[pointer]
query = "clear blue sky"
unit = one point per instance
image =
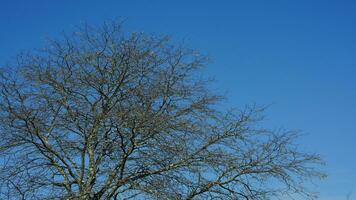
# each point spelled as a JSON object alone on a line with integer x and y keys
{"x": 298, "y": 55}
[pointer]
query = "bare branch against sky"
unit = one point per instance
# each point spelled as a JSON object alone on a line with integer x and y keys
{"x": 106, "y": 114}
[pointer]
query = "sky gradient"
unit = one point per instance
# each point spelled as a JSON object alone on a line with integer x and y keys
{"x": 297, "y": 56}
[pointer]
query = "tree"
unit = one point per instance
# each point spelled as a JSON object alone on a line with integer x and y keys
{"x": 104, "y": 114}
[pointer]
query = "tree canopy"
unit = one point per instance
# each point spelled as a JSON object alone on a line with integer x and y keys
{"x": 107, "y": 114}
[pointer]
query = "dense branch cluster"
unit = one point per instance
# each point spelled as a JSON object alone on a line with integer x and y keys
{"x": 106, "y": 115}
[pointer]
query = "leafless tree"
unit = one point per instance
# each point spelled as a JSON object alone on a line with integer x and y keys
{"x": 105, "y": 114}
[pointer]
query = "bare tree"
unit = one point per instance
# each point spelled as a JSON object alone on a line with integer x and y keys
{"x": 104, "y": 114}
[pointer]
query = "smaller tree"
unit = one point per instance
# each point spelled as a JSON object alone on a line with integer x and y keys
{"x": 107, "y": 115}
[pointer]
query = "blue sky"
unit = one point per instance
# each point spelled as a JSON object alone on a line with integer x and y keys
{"x": 299, "y": 56}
